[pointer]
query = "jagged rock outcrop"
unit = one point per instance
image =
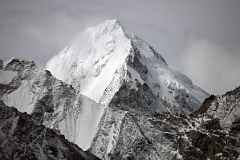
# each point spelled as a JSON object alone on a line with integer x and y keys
{"x": 212, "y": 132}
{"x": 23, "y": 138}
{"x": 224, "y": 108}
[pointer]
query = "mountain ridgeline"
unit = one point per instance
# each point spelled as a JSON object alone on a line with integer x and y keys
{"x": 112, "y": 94}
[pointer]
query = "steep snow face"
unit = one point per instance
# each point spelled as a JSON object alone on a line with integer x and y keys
{"x": 52, "y": 102}
{"x": 91, "y": 60}
{"x": 80, "y": 124}
{"x": 21, "y": 98}
{"x": 104, "y": 58}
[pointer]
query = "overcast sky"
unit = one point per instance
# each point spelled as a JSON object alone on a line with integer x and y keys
{"x": 200, "y": 38}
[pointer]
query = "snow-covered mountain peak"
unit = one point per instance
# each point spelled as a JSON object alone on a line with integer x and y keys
{"x": 104, "y": 58}
{"x": 92, "y": 58}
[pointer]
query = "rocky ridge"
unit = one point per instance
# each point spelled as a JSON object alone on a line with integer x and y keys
{"x": 22, "y": 137}
{"x": 209, "y": 133}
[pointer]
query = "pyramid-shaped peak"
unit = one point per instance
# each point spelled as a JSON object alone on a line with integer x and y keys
{"x": 104, "y": 56}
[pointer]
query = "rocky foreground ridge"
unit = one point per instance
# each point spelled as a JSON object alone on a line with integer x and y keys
{"x": 23, "y": 138}
{"x": 211, "y": 132}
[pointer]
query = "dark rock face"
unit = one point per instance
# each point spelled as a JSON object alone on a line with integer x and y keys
{"x": 205, "y": 106}
{"x": 158, "y": 55}
{"x": 141, "y": 100}
{"x": 134, "y": 62}
{"x": 22, "y": 138}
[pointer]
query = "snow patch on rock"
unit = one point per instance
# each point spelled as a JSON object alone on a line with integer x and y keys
{"x": 7, "y": 76}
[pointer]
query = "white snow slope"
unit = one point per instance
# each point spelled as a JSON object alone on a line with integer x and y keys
{"x": 33, "y": 90}
{"x": 97, "y": 63}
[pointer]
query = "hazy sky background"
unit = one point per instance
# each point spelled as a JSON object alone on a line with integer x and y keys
{"x": 200, "y": 38}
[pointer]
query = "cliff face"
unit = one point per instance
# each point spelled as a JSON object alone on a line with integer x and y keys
{"x": 22, "y": 137}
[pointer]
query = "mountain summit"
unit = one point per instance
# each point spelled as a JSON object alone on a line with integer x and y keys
{"x": 104, "y": 58}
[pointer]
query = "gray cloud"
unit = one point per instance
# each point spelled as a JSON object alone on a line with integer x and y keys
{"x": 213, "y": 67}
{"x": 37, "y": 30}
